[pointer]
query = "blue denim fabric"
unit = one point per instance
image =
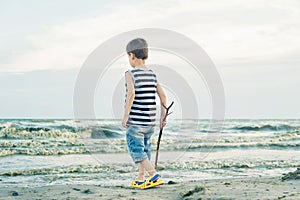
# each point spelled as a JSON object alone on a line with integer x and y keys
{"x": 138, "y": 142}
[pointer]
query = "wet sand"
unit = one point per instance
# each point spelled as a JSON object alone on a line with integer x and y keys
{"x": 247, "y": 188}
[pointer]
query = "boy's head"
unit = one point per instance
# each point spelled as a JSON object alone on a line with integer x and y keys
{"x": 137, "y": 49}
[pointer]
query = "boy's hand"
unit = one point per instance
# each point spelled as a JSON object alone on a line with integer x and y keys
{"x": 163, "y": 123}
{"x": 124, "y": 121}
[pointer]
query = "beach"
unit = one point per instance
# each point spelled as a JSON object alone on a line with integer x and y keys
{"x": 248, "y": 188}
{"x": 67, "y": 159}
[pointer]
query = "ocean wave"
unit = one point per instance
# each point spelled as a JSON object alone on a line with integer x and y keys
{"x": 59, "y": 146}
{"x": 15, "y": 133}
{"x": 284, "y": 140}
{"x": 42, "y": 151}
{"x": 186, "y": 165}
{"x": 63, "y": 170}
{"x": 31, "y": 129}
{"x": 119, "y": 146}
{"x": 104, "y": 132}
{"x": 40, "y": 143}
{"x": 45, "y": 127}
{"x": 225, "y": 164}
{"x": 33, "y": 133}
{"x": 224, "y": 146}
{"x": 266, "y": 127}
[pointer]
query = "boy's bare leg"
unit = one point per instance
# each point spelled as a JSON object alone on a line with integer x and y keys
{"x": 148, "y": 167}
{"x": 141, "y": 176}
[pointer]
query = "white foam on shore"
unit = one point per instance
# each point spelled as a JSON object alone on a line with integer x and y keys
{"x": 23, "y": 134}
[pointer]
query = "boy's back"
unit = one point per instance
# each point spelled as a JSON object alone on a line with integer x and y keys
{"x": 143, "y": 109}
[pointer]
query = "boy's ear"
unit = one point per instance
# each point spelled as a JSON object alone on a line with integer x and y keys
{"x": 131, "y": 56}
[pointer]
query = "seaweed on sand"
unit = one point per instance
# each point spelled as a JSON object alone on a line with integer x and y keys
{"x": 291, "y": 175}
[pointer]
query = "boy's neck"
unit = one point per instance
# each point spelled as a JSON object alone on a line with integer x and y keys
{"x": 140, "y": 66}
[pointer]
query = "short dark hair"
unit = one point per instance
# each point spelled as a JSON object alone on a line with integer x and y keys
{"x": 138, "y": 47}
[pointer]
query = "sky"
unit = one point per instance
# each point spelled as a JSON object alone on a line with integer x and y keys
{"x": 254, "y": 45}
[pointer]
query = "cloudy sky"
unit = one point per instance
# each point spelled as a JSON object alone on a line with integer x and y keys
{"x": 255, "y": 46}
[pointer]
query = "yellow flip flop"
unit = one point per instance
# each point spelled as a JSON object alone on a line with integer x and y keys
{"x": 152, "y": 182}
{"x": 136, "y": 184}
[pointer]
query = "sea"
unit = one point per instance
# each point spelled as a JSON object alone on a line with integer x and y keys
{"x": 38, "y": 152}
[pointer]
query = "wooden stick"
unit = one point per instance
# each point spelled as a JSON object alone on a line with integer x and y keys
{"x": 160, "y": 132}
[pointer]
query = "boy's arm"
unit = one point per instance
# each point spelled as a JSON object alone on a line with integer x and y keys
{"x": 163, "y": 102}
{"x": 129, "y": 98}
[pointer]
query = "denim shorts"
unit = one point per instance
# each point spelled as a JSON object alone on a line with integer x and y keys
{"x": 138, "y": 142}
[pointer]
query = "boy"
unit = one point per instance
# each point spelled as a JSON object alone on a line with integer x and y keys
{"x": 140, "y": 110}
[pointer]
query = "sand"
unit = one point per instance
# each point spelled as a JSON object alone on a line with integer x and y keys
{"x": 247, "y": 188}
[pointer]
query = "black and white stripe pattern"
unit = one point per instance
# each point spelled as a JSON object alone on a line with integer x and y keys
{"x": 143, "y": 109}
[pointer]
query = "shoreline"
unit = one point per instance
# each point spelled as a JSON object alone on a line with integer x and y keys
{"x": 239, "y": 188}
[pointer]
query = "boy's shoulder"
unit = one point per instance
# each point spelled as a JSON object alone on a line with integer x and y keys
{"x": 139, "y": 73}
{"x": 149, "y": 73}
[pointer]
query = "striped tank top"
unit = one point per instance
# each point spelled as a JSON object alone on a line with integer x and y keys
{"x": 143, "y": 109}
